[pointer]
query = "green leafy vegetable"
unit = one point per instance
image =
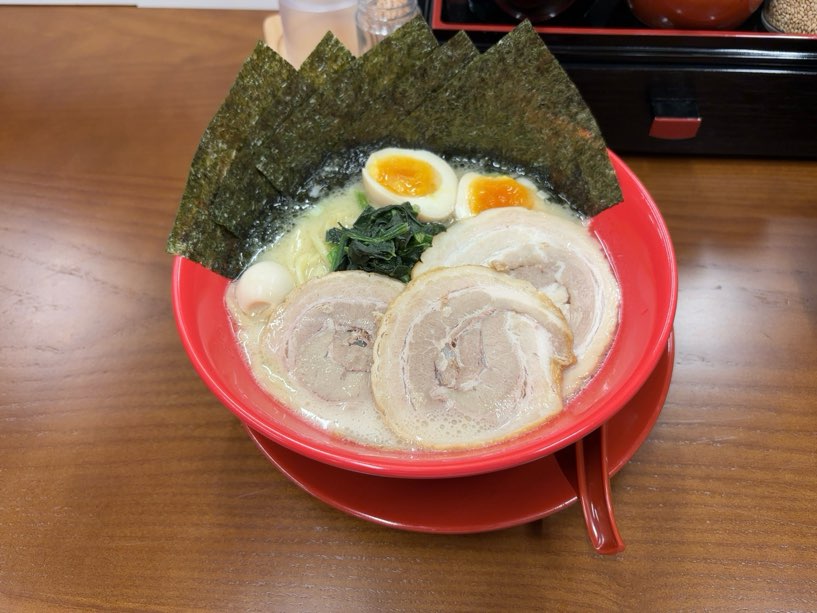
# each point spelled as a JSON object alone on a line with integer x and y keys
{"x": 388, "y": 241}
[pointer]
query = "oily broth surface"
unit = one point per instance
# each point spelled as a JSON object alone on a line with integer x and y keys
{"x": 304, "y": 252}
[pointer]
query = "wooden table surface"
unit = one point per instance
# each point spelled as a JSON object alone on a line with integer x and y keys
{"x": 126, "y": 486}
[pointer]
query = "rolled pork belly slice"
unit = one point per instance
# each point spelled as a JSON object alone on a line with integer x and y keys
{"x": 317, "y": 352}
{"x": 558, "y": 256}
{"x": 468, "y": 356}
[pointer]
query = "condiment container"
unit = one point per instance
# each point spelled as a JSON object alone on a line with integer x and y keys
{"x": 790, "y": 16}
{"x": 376, "y": 19}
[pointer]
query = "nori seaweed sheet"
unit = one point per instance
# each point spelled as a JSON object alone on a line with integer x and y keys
{"x": 321, "y": 124}
{"x": 282, "y": 138}
{"x": 337, "y": 170}
{"x": 195, "y": 234}
{"x": 363, "y": 134}
{"x": 372, "y": 128}
{"x": 443, "y": 66}
{"x": 244, "y": 189}
{"x": 408, "y": 90}
{"x": 516, "y": 103}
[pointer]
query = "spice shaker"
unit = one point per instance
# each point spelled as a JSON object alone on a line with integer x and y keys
{"x": 376, "y": 19}
{"x": 790, "y": 16}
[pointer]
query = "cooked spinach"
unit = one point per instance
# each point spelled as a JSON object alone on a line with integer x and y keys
{"x": 387, "y": 240}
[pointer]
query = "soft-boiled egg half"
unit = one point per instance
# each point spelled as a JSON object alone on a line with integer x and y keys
{"x": 395, "y": 176}
{"x": 262, "y": 285}
{"x": 478, "y": 192}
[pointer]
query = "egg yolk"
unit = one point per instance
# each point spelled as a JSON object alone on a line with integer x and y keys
{"x": 494, "y": 192}
{"x": 406, "y": 176}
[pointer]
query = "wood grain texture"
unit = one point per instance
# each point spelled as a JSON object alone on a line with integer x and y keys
{"x": 126, "y": 486}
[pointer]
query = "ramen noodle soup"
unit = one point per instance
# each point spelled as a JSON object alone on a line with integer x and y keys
{"x": 507, "y": 312}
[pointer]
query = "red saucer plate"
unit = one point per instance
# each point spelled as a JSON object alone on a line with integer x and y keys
{"x": 477, "y": 503}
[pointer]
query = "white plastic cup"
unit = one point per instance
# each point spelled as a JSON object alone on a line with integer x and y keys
{"x": 305, "y": 22}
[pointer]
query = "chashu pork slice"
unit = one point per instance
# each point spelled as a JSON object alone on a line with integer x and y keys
{"x": 467, "y": 356}
{"x": 558, "y": 255}
{"x": 317, "y": 351}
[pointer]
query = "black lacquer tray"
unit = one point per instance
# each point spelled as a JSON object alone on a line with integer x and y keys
{"x": 739, "y": 92}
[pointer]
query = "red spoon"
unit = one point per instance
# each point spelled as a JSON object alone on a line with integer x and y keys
{"x": 585, "y": 465}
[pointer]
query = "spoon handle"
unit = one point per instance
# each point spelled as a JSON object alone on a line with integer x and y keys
{"x": 585, "y": 465}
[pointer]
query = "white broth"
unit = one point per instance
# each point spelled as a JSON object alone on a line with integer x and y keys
{"x": 304, "y": 252}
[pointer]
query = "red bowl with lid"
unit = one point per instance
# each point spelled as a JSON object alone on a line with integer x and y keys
{"x": 694, "y": 14}
{"x": 638, "y": 245}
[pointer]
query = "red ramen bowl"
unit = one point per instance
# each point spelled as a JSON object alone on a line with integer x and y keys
{"x": 638, "y": 245}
